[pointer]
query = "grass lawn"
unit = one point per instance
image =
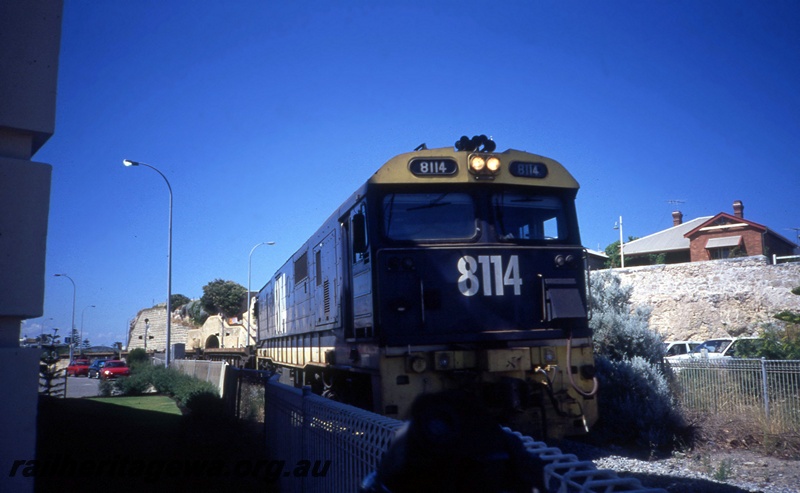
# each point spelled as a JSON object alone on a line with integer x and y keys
{"x": 159, "y": 403}
{"x": 141, "y": 444}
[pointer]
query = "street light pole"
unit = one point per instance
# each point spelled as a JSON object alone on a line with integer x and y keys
{"x": 82, "y": 313}
{"x": 621, "y": 244}
{"x": 72, "y": 330}
{"x": 128, "y": 162}
{"x": 250, "y": 298}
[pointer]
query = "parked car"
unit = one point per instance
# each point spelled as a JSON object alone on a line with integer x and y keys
{"x": 115, "y": 368}
{"x": 96, "y": 367}
{"x": 743, "y": 347}
{"x": 722, "y": 348}
{"x": 78, "y": 368}
{"x": 674, "y": 348}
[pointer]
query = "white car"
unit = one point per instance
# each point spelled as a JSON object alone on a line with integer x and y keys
{"x": 723, "y": 347}
{"x": 675, "y": 348}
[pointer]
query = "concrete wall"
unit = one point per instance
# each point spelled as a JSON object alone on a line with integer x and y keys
{"x": 228, "y": 335}
{"x": 701, "y": 300}
{"x": 30, "y": 39}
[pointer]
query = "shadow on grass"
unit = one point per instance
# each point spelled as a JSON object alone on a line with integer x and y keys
{"x": 85, "y": 445}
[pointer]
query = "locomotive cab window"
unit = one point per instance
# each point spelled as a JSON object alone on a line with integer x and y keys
{"x": 519, "y": 216}
{"x": 360, "y": 245}
{"x": 429, "y": 216}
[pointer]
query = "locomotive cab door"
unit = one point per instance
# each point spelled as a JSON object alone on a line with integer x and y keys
{"x": 360, "y": 276}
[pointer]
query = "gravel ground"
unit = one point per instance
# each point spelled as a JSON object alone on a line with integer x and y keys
{"x": 712, "y": 470}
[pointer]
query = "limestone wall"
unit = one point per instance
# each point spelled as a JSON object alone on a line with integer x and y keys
{"x": 701, "y": 300}
{"x": 228, "y": 333}
{"x": 157, "y": 317}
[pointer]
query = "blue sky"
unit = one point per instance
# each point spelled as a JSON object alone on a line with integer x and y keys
{"x": 264, "y": 116}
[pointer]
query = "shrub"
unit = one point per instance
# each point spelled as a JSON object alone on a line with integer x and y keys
{"x": 188, "y": 387}
{"x": 137, "y": 356}
{"x": 620, "y": 331}
{"x": 635, "y": 402}
{"x": 106, "y": 388}
{"x": 183, "y": 388}
{"x": 205, "y": 404}
{"x": 637, "y": 405}
{"x": 136, "y": 384}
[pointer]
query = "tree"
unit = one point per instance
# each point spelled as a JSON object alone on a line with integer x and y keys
{"x": 74, "y": 337}
{"x": 779, "y": 340}
{"x": 178, "y": 300}
{"x": 195, "y": 312}
{"x": 224, "y": 297}
{"x": 51, "y": 379}
{"x": 612, "y": 251}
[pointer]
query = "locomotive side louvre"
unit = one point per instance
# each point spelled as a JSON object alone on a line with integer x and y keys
{"x": 435, "y": 276}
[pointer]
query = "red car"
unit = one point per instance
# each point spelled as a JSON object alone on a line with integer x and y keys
{"x": 115, "y": 368}
{"x": 78, "y": 368}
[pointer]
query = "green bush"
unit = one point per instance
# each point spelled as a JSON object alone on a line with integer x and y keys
{"x": 106, "y": 388}
{"x": 620, "y": 331}
{"x": 137, "y": 356}
{"x": 136, "y": 384}
{"x": 636, "y": 405}
{"x": 183, "y": 388}
{"x": 205, "y": 404}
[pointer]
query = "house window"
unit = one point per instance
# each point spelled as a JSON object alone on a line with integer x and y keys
{"x": 719, "y": 253}
{"x": 724, "y": 247}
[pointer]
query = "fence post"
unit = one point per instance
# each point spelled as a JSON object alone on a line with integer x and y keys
{"x": 304, "y": 438}
{"x": 764, "y": 385}
{"x": 239, "y": 393}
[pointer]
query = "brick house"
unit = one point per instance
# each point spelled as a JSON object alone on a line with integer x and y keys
{"x": 726, "y": 235}
{"x": 708, "y": 238}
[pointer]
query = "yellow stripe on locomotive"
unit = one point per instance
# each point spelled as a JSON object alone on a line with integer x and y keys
{"x": 445, "y": 165}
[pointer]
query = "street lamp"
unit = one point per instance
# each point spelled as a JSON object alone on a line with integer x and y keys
{"x": 72, "y": 330}
{"x": 82, "y": 313}
{"x": 250, "y": 298}
{"x": 621, "y": 244}
{"x": 127, "y": 163}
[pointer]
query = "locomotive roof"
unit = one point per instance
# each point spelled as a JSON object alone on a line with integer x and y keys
{"x": 396, "y": 170}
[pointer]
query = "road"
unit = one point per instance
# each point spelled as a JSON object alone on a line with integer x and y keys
{"x": 83, "y": 387}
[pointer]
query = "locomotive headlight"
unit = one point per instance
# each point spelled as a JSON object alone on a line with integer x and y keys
{"x": 443, "y": 360}
{"x": 418, "y": 364}
{"x": 477, "y": 163}
{"x": 484, "y": 166}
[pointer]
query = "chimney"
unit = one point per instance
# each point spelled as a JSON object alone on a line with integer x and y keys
{"x": 677, "y": 218}
{"x": 738, "y": 209}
